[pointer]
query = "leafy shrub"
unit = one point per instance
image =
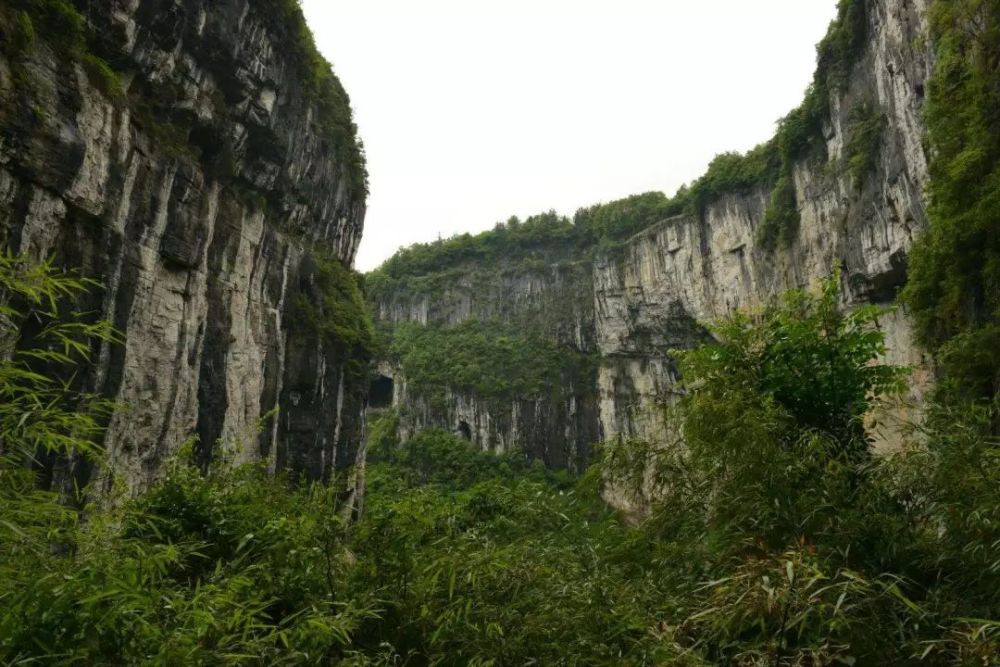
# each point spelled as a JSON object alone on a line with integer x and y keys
{"x": 42, "y": 412}
{"x": 786, "y": 609}
{"x": 58, "y": 19}
{"x": 23, "y": 34}
{"x": 219, "y": 569}
{"x": 776, "y": 539}
{"x": 103, "y": 77}
{"x": 781, "y": 219}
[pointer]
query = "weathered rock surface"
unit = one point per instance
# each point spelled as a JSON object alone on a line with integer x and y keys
{"x": 695, "y": 269}
{"x": 197, "y": 200}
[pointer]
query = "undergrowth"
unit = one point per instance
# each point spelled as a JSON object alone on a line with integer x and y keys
{"x": 774, "y": 538}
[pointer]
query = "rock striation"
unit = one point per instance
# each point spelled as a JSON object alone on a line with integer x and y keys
{"x": 186, "y": 158}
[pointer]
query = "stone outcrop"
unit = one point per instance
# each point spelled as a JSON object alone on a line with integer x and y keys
{"x": 656, "y": 291}
{"x": 198, "y": 196}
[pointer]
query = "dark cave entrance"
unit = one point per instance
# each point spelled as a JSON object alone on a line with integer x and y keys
{"x": 464, "y": 430}
{"x": 380, "y": 392}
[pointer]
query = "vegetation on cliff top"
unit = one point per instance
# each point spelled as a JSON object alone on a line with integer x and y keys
{"x": 330, "y": 304}
{"x": 320, "y": 83}
{"x": 602, "y": 227}
{"x": 63, "y": 25}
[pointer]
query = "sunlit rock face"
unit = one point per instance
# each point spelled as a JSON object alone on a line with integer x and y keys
{"x": 657, "y": 292}
{"x": 197, "y": 199}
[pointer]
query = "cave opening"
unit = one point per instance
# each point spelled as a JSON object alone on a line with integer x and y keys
{"x": 464, "y": 430}
{"x": 380, "y": 392}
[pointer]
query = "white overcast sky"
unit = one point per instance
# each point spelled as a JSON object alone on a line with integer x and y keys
{"x": 472, "y": 111}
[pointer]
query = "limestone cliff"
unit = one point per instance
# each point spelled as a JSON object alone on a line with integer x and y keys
{"x": 198, "y": 160}
{"x": 535, "y": 301}
{"x": 842, "y": 183}
{"x": 698, "y": 268}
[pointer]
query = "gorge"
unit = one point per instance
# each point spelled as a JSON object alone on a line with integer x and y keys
{"x": 625, "y": 282}
{"x": 753, "y": 423}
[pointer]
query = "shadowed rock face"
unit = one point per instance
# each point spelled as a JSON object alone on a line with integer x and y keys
{"x": 654, "y": 294}
{"x": 198, "y": 200}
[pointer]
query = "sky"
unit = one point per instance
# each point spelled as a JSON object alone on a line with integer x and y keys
{"x": 475, "y": 110}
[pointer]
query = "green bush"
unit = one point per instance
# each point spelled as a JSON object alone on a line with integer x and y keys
{"x": 223, "y": 569}
{"x": 103, "y": 77}
{"x": 777, "y": 416}
{"x": 782, "y": 218}
{"x": 58, "y": 22}
{"x": 23, "y": 34}
{"x": 775, "y": 538}
{"x": 866, "y": 124}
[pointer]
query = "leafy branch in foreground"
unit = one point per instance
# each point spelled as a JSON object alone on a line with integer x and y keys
{"x": 41, "y": 410}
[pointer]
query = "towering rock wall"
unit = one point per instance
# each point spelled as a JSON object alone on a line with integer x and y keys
{"x": 186, "y": 155}
{"x": 859, "y": 197}
{"x": 699, "y": 268}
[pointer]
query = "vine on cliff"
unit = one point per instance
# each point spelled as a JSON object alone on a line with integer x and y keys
{"x": 954, "y": 282}
{"x": 330, "y": 304}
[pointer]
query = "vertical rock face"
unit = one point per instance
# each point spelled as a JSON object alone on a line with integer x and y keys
{"x": 860, "y": 204}
{"x": 650, "y": 295}
{"x": 557, "y": 424}
{"x": 198, "y": 197}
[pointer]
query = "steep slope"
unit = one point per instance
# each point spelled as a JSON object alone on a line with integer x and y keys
{"x": 840, "y": 184}
{"x": 199, "y": 160}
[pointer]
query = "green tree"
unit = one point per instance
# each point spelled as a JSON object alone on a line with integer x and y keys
{"x": 775, "y": 413}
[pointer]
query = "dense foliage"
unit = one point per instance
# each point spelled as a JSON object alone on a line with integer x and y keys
{"x": 773, "y": 539}
{"x": 489, "y": 359}
{"x": 954, "y": 286}
{"x": 23, "y": 22}
{"x": 547, "y": 236}
{"x": 331, "y": 305}
{"x": 772, "y": 536}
